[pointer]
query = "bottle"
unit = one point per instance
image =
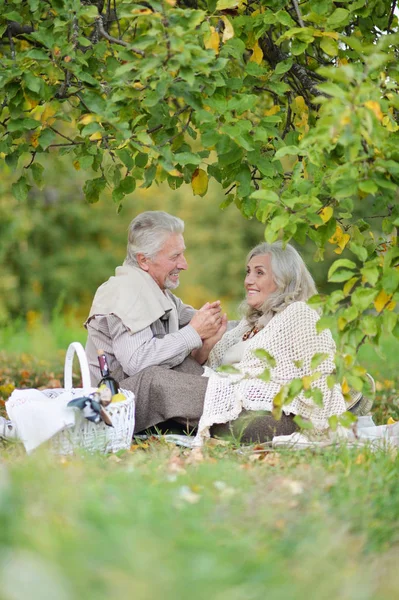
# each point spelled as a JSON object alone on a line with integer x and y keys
{"x": 107, "y": 380}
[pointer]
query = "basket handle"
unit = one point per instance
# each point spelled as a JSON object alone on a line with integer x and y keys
{"x": 84, "y": 366}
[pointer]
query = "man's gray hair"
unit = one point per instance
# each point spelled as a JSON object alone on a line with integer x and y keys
{"x": 148, "y": 233}
{"x": 292, "y": 278}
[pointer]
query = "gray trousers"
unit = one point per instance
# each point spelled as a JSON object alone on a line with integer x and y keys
{"x": 178, "y": 394}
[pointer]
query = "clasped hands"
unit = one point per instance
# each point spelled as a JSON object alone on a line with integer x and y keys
{"x": 210, "y": 323}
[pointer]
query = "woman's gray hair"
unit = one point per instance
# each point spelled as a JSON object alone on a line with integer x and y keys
{"x": 292, "y": 278}
{"x": 148, "y": 233}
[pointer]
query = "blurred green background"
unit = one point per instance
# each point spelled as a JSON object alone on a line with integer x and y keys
{"x": 56, "y": 250}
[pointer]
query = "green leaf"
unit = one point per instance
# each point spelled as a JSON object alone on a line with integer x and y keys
{"x": 368, "y": 186}
{"x": 33, "y": 83}
{"x": 317, "y": 359}
{"x": 347, "y": 419}
{"x": 37, "y": 172}
{"x": 265, "y": 375}
{"x": 359, "y": 251}
{"x": 225, "y": 4}
{"x": 187, "y": 158}
{"x": 370, "y": 274}
{"x": 93, "y": 189}
{"x": 126, "y": 158}
{"x": 303, "y": 423}
{"x": 287, "y": 151}
{"x": 295, "y": 388}
{"x": 333, "y": 422}
{"x": 329, "y": 46}
{"x": 229, "y": 369}
{"x": 338, "y": 18}
{"x": 267, "y": 195}
{"x": 22, "y": 124}
{"x": 264, "y": 355}
{"x": 368, "y": 325}
{"x": 283, "y": 66}
{"x": 339, "y": 276}
{"x": 342, "y": 262}
{"x": 46, "y": 138}
{"x": 128, "y": 185}
{"x": 141, "y": 160}
{"x": 363, "y": 297}
{"x": 20, "y": 189}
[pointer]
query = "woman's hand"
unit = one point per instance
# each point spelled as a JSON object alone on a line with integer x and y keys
{"x": 201, "y": 354}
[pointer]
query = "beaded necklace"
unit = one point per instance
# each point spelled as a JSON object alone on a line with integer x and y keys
{"x": 250, "y": 333}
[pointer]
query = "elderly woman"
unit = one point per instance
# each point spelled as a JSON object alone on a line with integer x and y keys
{"x": 278, "y": 321}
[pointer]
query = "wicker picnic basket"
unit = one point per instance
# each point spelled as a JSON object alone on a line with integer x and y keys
{"x": 93, "y": 437}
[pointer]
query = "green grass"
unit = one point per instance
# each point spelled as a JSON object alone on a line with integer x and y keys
{"x": 163, "y": 523}
{"x": 224, "y": 524}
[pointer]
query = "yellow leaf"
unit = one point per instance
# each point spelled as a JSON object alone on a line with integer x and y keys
{"x": 387, "y": 122}
{"x": 331, "y": 34}
{"x": 326, "y": 213}
{"x": 307, "y": 380}
{"x": 298, "y": 104}
{"x": 382, "y": 300}
{"x": 47, "y": 115}
{"x": 349, "y": 285}
{"x": 211, "y": 41}
{"x": 142, "y": 11}
{"x": 76, "y": 164}
{"x": 95, "y": 136}
{"x": 348, "y": 360}
{"x": 31, "y": 102}
{"x": 89, "y": 118}
{"x": 199, "y": 182}
{"x": 228, "y": 31}
{"x": 375, "y": 108}
{"x": 171, "y": 2}
{"x": 272, "y": 111}
{"x": 360, "y": 459}
{"x": 301, "y": 112}
{"x": 257, "y": 54}
{"x": 345, "y": 386}
{"x": 340, "y": 238}
{"x": 391, "y": 421}
{"x": 175, "y": 173}
{"x": 34, "y": 140}
{"x": 341, "y": 323}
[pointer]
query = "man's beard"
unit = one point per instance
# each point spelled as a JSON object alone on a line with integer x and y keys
{"x": 171, "y": 285}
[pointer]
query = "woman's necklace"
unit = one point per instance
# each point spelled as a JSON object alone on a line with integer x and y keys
{"x": 250, "y": 333}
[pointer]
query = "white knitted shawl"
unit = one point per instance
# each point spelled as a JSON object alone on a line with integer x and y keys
{"x": 291, "y": 338}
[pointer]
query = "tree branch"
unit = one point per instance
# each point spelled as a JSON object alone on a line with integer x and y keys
{"x": 298, "y": 13}
{"x": 391, "y": 16}
{"x": 113, "y": 40}
{"x": 15, "y": 29}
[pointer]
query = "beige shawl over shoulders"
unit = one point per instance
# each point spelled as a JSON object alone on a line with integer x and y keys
{"x": 134, "y": 297}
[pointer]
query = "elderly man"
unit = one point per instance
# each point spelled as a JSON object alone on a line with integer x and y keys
{"x": 139, "y": 323}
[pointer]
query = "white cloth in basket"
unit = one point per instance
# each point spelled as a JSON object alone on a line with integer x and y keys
{"x": 38, "y": 417}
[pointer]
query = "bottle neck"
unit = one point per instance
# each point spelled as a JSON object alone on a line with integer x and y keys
{"x": 104, "y": 368}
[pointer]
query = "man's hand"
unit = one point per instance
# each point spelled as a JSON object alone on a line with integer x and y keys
{"x": 207, "y": 320}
